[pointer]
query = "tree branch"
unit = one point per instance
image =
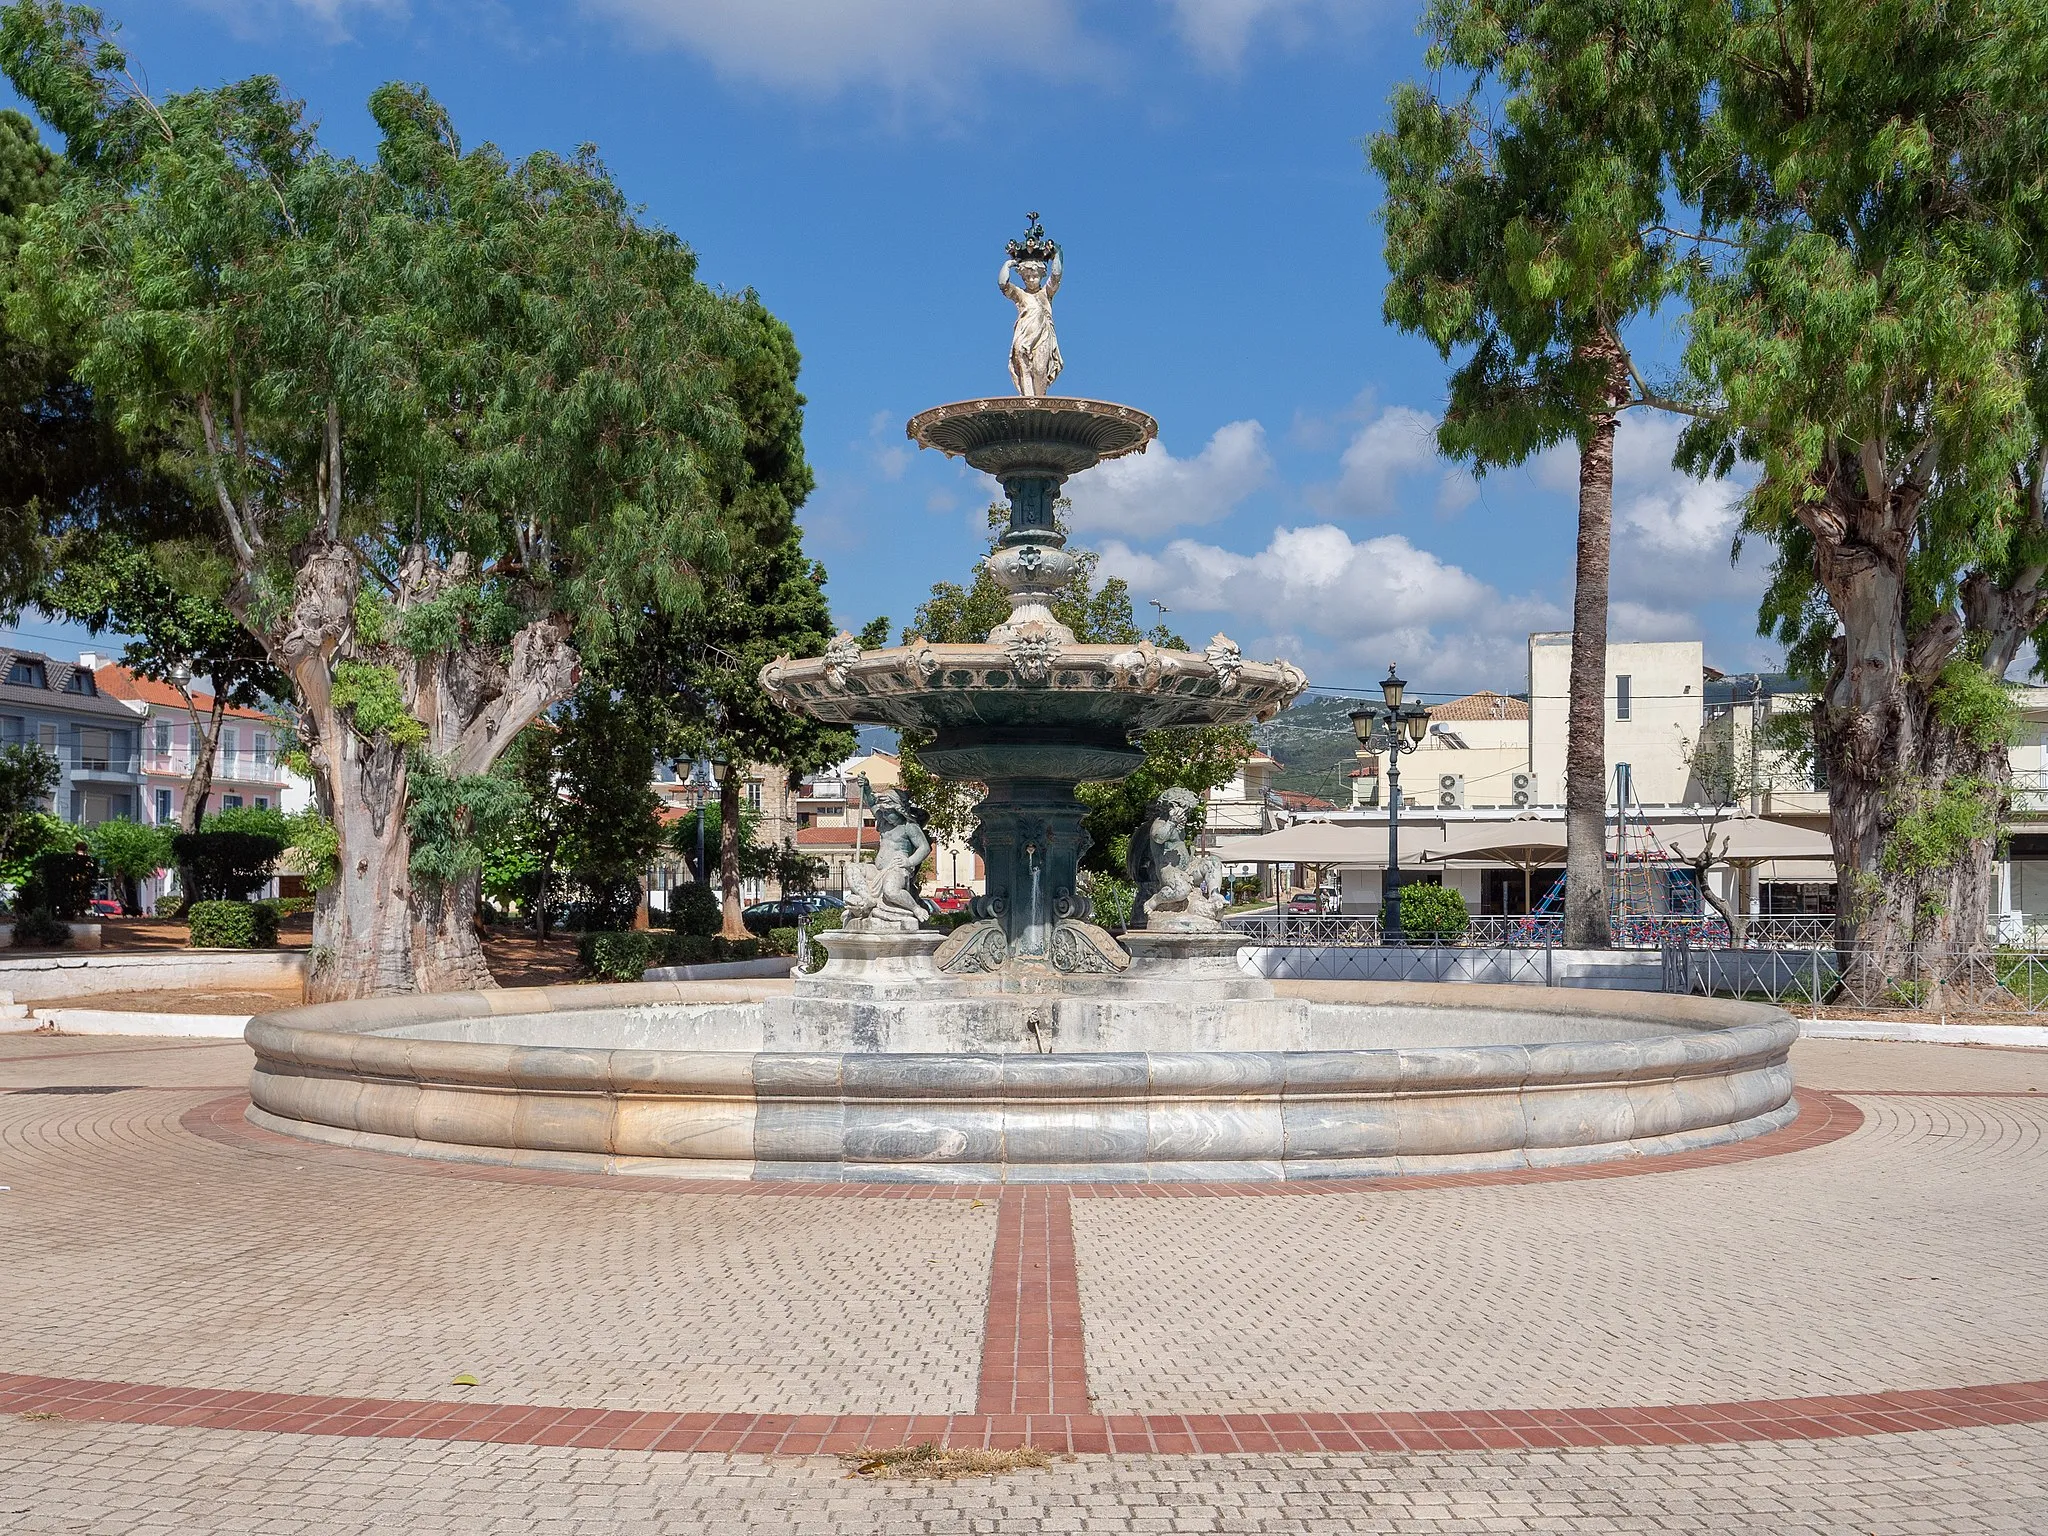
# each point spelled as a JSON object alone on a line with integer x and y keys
{"x": 245, "y": 552}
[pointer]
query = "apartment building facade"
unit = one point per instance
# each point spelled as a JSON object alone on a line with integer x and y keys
{"x": 59, "y": 707}
{"x": 247, "y": 768}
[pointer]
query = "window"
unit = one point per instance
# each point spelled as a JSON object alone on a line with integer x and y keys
{"x": 754, "y": 794}
{"x": 1621, "y": 696}
{"x": 166, "y": 813}
{"x": 93, "y": 750}
{"x": 26, "y": 673}
{"x": 259, "y": 750}
{"x": 230, "y": 748}
{"x": 80, "y": 681}
{"x": 13, "y": 730}
{"x": 163, "y": 738}
{"x": 231, "y": 802}
{"x": 263, "y": 802}
{"x": 46, "y": 736}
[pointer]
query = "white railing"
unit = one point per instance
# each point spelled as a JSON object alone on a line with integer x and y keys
{"x": 240, "y": 768}
{"x": 2029, "y": 791}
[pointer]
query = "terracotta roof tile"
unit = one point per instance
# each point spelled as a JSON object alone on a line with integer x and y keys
{"x": 117, "y": 682}
{"x": 1484, "y": 705}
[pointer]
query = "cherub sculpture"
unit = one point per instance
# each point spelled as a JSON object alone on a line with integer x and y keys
{"x": 882, "y": 896}
{"x": 1176, "y": 891}
{"x": 1034, "y": 350}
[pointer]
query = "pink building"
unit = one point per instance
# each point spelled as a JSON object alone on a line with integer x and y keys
{"x": 246, "y": 771}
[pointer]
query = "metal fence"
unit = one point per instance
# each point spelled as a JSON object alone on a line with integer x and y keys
{"x": 1501, "y": 966}
{"x": 1362, "y": 930}
{"x": 1976, "y": 981}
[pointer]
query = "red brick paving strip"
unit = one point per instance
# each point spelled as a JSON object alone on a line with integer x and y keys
{"x": 1798, "y": 1418}
{"x": 1032, "y": 1359}
{"x": 1823, "y": 1117}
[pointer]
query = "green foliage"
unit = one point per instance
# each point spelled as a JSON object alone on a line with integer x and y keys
{"x": 36, "y": 929}
{"x": 232, "y": 925}
{"x": 451, "y": 820}
{"x": 130, "y": 853}
{"x": 60, "y": 883}
{"x": 1112, "y": 895}
{"x": 28, "y": 778}
{"x": 369, "y": 694}
{"x": 1932, "y": 826}
{"x": 32, "y": 835}
{"x": 1977, "y": 707}
{"x": 225, "y": 866}
{"x": 695, "y": 908}
{"x": 1434, "y": 913}
{"x": 263, "y": 820}
{"x": 781, "y": 941}
{"x": 312, "y": 848}
{"x": 874, "y": 634}
{"x": 468, "y": 613}
{"x": 627, "y": 955}
{"x": 1197, "y": 758}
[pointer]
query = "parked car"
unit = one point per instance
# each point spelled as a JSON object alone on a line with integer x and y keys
{"x": 102, "y": 907}
{"x": 784, "y": 912}
{"x": 1305, "y": 901}
{"x": 950, "y": 898}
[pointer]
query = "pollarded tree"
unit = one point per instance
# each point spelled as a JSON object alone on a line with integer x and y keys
{"x": 1526, "y": 225}
{"x": 1875, "y": 338}
{"x": 458, "y": 418}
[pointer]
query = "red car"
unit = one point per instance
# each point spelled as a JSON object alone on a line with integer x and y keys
{"x": 102, "y": 907}
{"x": 950, "y": 898}
{"x": 1305, "y": 901}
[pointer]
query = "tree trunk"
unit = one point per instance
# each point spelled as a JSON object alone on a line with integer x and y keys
{"x": 734, "y": 926}
{"x": 199, "y": 782}
{"x": 376, "y": 929}
{"x": 1585, "y": 760}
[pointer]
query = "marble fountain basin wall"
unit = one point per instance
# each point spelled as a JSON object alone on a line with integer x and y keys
{"x": 1340, "y": 1079}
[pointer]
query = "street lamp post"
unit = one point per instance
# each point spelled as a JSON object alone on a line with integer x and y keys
{"x": 1396, "y": 729}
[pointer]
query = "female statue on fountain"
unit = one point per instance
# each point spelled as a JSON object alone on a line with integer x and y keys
{"x": 1034, "y": 350}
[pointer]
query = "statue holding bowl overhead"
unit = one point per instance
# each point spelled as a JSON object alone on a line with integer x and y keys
{"x": 1034, "y": 350}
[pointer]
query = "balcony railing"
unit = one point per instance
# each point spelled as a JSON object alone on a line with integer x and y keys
{"x": 2030, "y": 791}
{"x": 241, "y": 768}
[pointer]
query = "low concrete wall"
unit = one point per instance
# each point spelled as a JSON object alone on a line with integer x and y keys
{"x": 47, "y": 978}
{"x": 1676, "y": 1073}
{"x": 724, "y": 970}
{"x": 109, "y": 1021}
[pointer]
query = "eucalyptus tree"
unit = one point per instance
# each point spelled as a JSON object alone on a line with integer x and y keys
{"x": 1873, "y": 332}
{"x": 457, "y": 422}
{"x": 1528, "y": 189}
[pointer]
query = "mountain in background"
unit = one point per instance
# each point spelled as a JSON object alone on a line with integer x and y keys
{"x": 1315, "y": 745}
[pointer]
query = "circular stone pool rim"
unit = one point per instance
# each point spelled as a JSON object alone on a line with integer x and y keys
{"x": 325, "y": 1074}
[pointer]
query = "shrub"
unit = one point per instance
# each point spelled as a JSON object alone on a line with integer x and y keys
{"x": 1433, "y": 913}
{"x": 1112, "y": 900}
{"x": 232, "y": 924}
{"x": 263, "y": 820}
{"x": 695, "y": 908}
{"x": 40, "y": 930}
{"x": 600, "y": 904}
{"x": 616, "y": 956}
{"x": 781, "y": 941}
{"x": 225, "y": 866}
{"x": 61, "y": 885}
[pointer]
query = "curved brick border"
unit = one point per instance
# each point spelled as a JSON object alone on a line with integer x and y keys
{"x": 1823, "y": 1117}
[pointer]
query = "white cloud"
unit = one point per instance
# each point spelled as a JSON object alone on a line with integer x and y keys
{"x": 928, "y": 48}
{"x": 1396, "y": 444}
{"x": 1341, "y": 606}
{"x": 1672, "y": 533}
{"x": 1220, "y": 32}
{"x": 1150, "y": 492}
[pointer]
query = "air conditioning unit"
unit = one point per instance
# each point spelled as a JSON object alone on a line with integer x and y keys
{"x": 1522, "y": 791}
{"x": 1450, "y": 791}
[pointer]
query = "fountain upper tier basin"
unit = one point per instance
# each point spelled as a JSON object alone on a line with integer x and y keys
{"x": 1327, "y": 1080}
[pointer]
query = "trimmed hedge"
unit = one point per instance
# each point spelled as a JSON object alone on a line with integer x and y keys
{"x": 232, "y": 925}
{"x": 224, "y": 866}
{"x": 40, "y": 930}
{"x": 781, "y": 941}
{"x": 1433, "y": 913}
{"x": 695, "y": 909}
{"x": 61, "y": 885}
{"x": 625, "y": 956}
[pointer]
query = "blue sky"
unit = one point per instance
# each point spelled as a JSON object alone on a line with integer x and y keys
{"x": 861, "y": 162}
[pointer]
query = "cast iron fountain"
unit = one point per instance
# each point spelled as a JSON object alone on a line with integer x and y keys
{"x": 1030, "y": 1044}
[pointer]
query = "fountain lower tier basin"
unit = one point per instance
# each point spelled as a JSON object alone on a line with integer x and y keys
{"x": 724, "y": 1080}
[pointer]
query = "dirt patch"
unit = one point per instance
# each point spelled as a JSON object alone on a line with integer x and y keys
{"x": 928, "y": 1461}
{"x": 518, "y": 959}
{"x": 182, "y": 1000}
{"x": 131, "y": 934}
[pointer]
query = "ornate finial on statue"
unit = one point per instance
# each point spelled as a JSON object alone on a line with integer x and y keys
{"x": 1034, "y": 246}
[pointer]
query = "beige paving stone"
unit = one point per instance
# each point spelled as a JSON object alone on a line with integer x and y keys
{"x": 1911, "y": 1067}
{"x": 136, "y": 1251}
{"x": 113, "y": 1480}
{"x": 1914, "y": 1253}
